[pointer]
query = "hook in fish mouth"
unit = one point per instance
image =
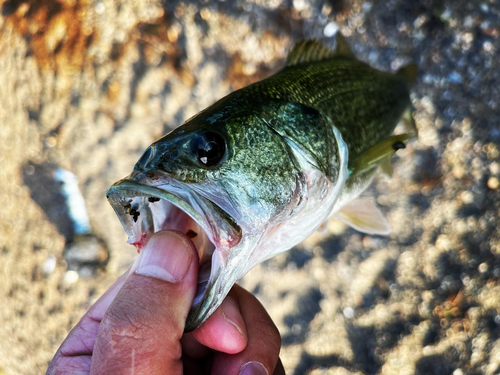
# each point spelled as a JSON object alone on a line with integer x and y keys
{"x": 144, "y": 210}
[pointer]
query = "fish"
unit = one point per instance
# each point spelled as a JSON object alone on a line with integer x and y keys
{"x": 261, "y": 169}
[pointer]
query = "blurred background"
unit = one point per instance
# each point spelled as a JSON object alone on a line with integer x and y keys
{"x": 87, "y": 85}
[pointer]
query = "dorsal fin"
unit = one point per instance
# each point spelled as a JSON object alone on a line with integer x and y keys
{"x": 308, "y": 51}
{"x": 342, "y": 48}
{"x": 313, "y": 50}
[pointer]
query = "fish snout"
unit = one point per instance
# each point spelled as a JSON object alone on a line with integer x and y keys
{"x": 145, "y": 160}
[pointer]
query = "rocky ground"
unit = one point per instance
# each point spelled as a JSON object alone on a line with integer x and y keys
{"x": 87, "y": 85}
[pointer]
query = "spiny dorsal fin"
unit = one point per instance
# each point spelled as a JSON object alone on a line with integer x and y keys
{"x": 312, "y": 50}
{"x": 307, "y": 51}
{"x": 342, "y": 47}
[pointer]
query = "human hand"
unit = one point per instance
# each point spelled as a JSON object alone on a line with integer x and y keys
{"x": 137, "y": 326}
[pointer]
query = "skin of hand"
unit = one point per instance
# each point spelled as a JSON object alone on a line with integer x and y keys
{"x": 137, "y": 326}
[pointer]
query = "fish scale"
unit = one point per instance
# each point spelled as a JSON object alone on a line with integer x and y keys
{"x": 363, "y": 103}
{"x": 261, "y": 169}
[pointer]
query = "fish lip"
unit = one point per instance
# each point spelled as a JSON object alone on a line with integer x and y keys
{"x": 221, "y": 229}
{"x": 222, "y": 236}
{"x": 200, "y": 312}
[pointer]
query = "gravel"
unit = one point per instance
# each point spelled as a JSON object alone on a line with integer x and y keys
{"x": 87, "y": 86}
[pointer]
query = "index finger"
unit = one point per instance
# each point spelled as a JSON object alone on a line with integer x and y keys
{"x": 264, "y": 340}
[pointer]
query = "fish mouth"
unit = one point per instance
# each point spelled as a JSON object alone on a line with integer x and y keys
{"x": 144, "y": 210}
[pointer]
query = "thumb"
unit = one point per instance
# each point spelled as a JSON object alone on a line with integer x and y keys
{"x": 141, "y": 330}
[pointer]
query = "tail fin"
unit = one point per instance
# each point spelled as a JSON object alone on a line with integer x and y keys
{"x": 409, "y": 72}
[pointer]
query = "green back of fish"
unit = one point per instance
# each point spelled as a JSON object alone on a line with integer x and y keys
{"x": 363, "y": 103}
{"x": 318, "y": 89}
{"x": 304, "y": 100}
{"x": 299, "y": 106}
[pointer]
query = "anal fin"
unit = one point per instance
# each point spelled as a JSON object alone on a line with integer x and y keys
{"x": 363, "y": 215}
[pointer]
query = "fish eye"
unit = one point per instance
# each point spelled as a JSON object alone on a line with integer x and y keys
{"x": 209, "y": 148}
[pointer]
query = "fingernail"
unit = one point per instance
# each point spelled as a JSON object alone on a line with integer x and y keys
{"x": 166, "y": 257}
{"x": 253, "y": 368}
{"x": 232, "y": 315}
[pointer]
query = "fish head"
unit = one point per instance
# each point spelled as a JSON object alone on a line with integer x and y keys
{"x": 222, "y": 181}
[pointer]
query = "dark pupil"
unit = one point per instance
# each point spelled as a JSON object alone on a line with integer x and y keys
{"x": 209, "y": 148}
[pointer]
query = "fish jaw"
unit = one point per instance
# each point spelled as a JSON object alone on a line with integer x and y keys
{"x": 227, "y": 268}
{"x": 131, "y": 199}
{"x": 144, "y": 209}
{"x": 145, "y": 206}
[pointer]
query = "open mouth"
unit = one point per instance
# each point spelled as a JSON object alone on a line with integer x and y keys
{"x": 144, "y": 210}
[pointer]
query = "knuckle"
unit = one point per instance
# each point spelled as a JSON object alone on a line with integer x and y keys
{"x": 136, "y": 321}
{"x": 124, "y": 321}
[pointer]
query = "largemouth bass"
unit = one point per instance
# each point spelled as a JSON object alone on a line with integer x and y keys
{"x": 261, "y": 169}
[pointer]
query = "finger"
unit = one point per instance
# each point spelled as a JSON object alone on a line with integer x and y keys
{"x": 74, "y": 353}
{"x": 142, "y": 328}
{"x": 192, "y": 348}
{"x": 225, "y": 330}
{"x": 279, "y": 370}
{"x": 261, "y": 353}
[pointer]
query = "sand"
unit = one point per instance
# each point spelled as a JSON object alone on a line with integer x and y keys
{"x": 87, "y": 85}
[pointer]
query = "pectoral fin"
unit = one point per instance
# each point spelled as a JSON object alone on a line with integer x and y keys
{"x": 363, "y": 215}
{"x": 323, "y": 228}
{"x": 377, "y": 154}
{"x": 409, "y": 122}
{"x": 386, "y": 166}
